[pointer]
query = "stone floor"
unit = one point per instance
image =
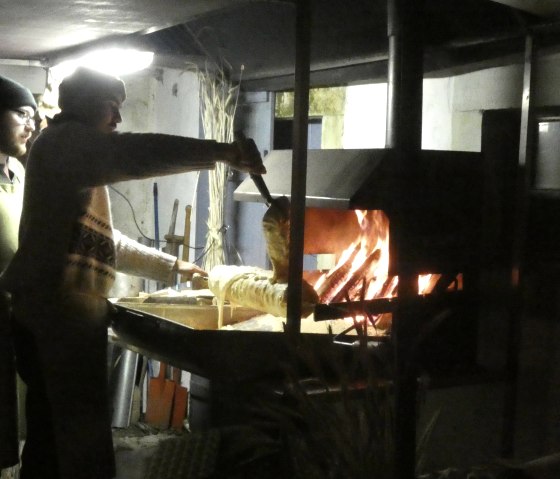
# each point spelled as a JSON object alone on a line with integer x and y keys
{"x": 134, "y": 447}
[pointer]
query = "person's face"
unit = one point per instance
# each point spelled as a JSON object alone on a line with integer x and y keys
{"x": 108, "y": 116}
{"x": 16, "y": 127}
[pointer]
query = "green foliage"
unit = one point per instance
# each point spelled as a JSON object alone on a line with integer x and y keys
{"x": 322, "y": 102}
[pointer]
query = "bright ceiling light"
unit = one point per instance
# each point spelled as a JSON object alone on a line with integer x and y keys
{"x": 113, "y": 61}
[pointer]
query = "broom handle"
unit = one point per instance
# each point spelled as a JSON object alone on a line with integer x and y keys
{"x": 156, "y": 216}
{"x": 162, "y": 371}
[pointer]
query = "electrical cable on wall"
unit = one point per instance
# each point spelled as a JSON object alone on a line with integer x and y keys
{"x": 133, "y": 213}
{"x": 140, "y": 230}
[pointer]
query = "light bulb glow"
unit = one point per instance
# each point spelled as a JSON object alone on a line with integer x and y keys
{"x": 112, "y": 61}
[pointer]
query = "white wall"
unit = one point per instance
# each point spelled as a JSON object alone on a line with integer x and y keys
{"x": 28, "y": 74}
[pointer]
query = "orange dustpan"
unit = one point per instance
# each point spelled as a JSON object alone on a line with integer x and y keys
{"x": 160, "y": 399}
{"x": 180, "y": 400}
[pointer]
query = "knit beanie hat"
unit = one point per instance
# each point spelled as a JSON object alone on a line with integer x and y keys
{"x": 14, "y": 95}
{"x": 85, "y": 86}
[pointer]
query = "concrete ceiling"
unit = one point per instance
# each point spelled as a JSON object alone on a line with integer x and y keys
{"x": 35, "y": 28}
{"x": 545, "y": 8}
{"x": 348, "y": 44}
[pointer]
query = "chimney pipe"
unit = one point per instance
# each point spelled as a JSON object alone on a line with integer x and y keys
{"x": 404, "y": 136}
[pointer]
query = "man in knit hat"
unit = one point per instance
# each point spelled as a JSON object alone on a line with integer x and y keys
{"x": 17, "y": 108}
{"x": 66, "y": 264}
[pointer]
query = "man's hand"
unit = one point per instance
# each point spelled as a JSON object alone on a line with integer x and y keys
{"x": 187, "y": 269}
{"x": 247, "y": 157}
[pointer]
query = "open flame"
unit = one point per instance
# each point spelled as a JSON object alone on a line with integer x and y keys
{"x": 361, "y": 272}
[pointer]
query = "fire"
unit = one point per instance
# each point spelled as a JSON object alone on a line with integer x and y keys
{"x": 361, "y": 272}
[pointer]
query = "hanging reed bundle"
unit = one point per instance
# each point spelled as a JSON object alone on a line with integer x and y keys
{"x": 218, "y": 104}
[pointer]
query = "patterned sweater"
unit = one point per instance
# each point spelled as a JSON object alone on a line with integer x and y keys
{"x": 96, "y": 251}
{"x": 67, "y": 241}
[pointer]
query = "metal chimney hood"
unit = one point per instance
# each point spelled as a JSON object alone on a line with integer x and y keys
{"x": 333, "y": 176}
{"x": 370, "y": 179}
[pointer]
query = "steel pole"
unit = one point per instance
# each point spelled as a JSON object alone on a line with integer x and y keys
{"x": 404, "y": 137}
{"x": 299, "y": 165}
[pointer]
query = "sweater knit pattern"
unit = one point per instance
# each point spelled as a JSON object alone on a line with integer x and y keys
{"x": 90, "y": 264}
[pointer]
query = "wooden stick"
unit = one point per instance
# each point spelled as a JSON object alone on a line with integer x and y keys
{"x": 187, "y": 237}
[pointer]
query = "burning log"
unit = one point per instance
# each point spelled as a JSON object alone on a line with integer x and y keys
{"x": 356, "y": 276}
{"x": 336, "y": 278}
{"x": 389, "y": 287}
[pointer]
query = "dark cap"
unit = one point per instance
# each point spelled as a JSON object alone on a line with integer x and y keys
{"x": 85, "y": 85}
{"x": 14, "y": 95}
